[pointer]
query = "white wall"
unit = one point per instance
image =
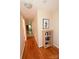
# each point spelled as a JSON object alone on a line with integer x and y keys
{"x": 22, "y": 36}
{"x": 49, "y": 13}
{"x": 53, "y": 25}
{"x": 34, "y": 28}
{"x": 40, "y": 15}
{"x": 56, "y": 29}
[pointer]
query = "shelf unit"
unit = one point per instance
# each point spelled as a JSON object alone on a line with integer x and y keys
{"x": 47, "y": 38}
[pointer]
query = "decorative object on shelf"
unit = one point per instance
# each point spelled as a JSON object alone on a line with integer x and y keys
{"x": 47, "y": 38}
{"x": 45, "y": 24}
{"x": 46, "y": 43}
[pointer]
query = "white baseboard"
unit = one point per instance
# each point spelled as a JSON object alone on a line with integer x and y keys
{"x": 40, "y": 46}
{"x": 56, "y": 45}
{"x": 22, "y": 51}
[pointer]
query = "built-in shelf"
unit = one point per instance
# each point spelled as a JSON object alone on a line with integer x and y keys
{"x": 47, "y": 38}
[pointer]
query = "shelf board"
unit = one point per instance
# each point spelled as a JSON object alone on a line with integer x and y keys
{"x": 48, "y": 45}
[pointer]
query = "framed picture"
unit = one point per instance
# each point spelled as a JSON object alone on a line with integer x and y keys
{"x": 45, "y": 24}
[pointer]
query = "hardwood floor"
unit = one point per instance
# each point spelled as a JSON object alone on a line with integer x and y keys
{"x": 31, "y": 51}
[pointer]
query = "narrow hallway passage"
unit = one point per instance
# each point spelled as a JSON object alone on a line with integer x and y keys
{"x": 31, "y": 51}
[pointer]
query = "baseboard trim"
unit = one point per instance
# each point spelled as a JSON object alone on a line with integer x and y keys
{"x": 22, "y": 50}
{"x": 56, "y": 45}
{"x": 40, "y": 46}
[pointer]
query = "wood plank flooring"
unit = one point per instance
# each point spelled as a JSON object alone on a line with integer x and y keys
{"x": 31, "y": 51}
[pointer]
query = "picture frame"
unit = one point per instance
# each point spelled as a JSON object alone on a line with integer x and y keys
{"x": 45, "y": 23}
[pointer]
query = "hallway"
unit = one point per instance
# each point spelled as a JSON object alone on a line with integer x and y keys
{"x": 31, "y": 51}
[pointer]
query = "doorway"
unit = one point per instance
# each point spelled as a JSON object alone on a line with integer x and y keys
{"x": 29, "y": 29}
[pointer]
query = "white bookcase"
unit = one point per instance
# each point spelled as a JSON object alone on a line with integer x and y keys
{"x": 47, "y": 36}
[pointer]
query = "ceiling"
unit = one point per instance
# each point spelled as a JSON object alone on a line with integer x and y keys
{"x": 27, "y": 13}
{"x": 47, "y": 5}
